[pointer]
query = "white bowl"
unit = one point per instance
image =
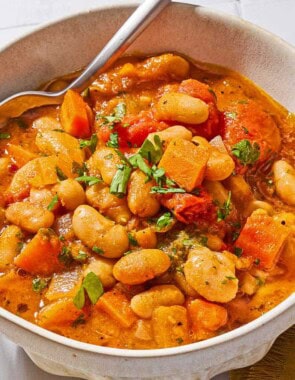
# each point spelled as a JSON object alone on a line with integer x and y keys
{"x": 205, "y": 35}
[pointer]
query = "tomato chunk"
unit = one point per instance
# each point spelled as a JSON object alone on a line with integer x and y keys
{"x": 189, "y": 208}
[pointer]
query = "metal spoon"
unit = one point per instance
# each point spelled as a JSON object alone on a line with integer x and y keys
{"x": 16, "y": 104}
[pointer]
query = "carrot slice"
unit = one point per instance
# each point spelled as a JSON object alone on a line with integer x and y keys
{"x": 262, "y": 239}
{"x": 74, "y": 115}
{"x": 60, "y": 313}
{"x": 20, "y": 155}
{"x": 117, "y": 306}
{"x": 40, "y": 255}
{"x": 185, "y": 163}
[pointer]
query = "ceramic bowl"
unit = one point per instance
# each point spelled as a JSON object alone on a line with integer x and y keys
{"x": 205, "y": 35}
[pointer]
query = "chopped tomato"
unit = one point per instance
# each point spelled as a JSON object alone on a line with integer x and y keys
{"x": 189, "y": 208}
{"x": 133, "y": 129}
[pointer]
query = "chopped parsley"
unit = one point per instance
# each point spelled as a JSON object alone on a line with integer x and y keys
{"x": 65, "y": 257}
{"x": 93, "y": 288}
{"x": 120, "y": 180}
{"x": 20, "y": 246}
{"x": 81, "y": 170}
{"x": 224, "y": 211}
{"x": 91, "y": 144}
{"x": 98, "y": 250}
{"x": 137, "y": 161}
{"x": 164, "y": 221}
{"x": 164, "y": 190}
{"x": 238, "y": 251}
{"x": 247, "y": 153}
{"x": 231, "y": 115}
{"x": 132, "y": 240}
{"x": 4, "y": 136}
{"x": 115, "y": 117}
{"x": 235, "y": 235}
{"x": 152, "y": 151}
{"x": 257, "y": 261}
{"x": 89, "y": 180}
{"x": 38, "y": 284}
{"x": 187, "y": 243}
{"x": 113, "y": 141}
{"x": 82, "y": 256}
{"x": 109, "y": 156}
{"x": 179, "y": 340}
{"x": 60, "y": 174}
{"x": 203, "y": 241}
{"x": 53, "y": 203}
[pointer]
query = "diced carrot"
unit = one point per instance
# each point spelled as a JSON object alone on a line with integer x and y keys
{"x": 74, "y": 115}
{"x": 262, "y": 239}
{"x": 185, "y": 163}
{"x": 206, "y": 316}
{"x": 60, "y": 313}
{"x": 20, "y": 155}
{"x": 117, "y": 306}
{"x": 40, "y": 255}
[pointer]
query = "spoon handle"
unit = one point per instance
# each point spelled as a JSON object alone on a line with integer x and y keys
{"x": 120, "y": 42}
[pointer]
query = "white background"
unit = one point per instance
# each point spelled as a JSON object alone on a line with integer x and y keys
{"x": 21, "y": 16}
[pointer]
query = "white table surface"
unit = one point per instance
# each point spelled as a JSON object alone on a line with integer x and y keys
{"x": 21, "y": 16}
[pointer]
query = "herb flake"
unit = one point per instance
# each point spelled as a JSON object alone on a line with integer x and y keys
{"x": 92, "y": 286}
{"x": 53, "y": 203}
{"x": 246, "y": 153}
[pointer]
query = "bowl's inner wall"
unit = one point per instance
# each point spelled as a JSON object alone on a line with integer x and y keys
{"x": 197, "y": 32}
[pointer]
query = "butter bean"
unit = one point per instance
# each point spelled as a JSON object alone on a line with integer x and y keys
{"x": 144, "y": 303}
{"x": 141, "y": 266}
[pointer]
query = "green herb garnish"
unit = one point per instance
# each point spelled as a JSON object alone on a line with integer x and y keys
{"x": 137, "y": 161}
{"x": 187, "y": 242}
{"x": 132, "y": 240}
{"x": 60, "y": 174}
{"x": 120, "y": 180}
{"x": 89, "y": 180}
{"x": 38, "y": 284}
{"x": 231, "y": 115}
{"x": 116, "y": 116}
{"x": 82, "y": 256}
{"x": 81, "y": 170}
{"x": 152, "y": 151}
{"x": 53, "y": 203}
{"x": 113, "y": 141}
{"x": 97, "y": 250}
{"x": 4, "y": 136}
{"x": 91, "y": 144}
{"x": 92, "y": 286}
{"x": 247, "y": 153}
{"x": 225, "y": 209}
{"x": 164, "y": 221}
{"x": 164, "y": 190}
{"x": 65, "y": 257}
{"x": 203, "y": 241}
{"x": 238, "y": 251}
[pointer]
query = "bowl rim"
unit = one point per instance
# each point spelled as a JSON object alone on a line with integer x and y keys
{"x": 281, "y": 308}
